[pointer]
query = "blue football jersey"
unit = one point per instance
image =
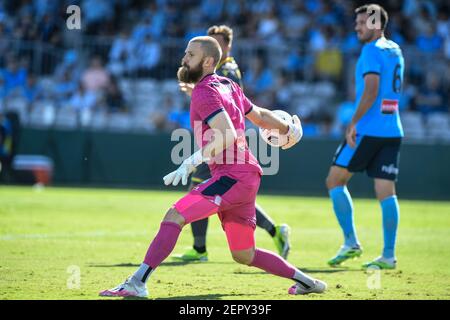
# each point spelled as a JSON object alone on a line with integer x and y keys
{"x": 383, "y": 57}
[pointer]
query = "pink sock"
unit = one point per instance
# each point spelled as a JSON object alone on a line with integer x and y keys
{"x": 273, "y": 264}
{"x": 163, "y": 244}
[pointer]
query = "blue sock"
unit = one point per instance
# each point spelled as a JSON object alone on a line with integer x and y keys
{"x": 343, "y": 208}
{"x": 391, "y": 212}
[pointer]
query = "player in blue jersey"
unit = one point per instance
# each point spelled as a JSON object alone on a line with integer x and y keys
{"x": 373, "y": 138}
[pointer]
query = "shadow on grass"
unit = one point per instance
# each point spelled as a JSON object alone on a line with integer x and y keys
{"x": 329, "y": 270}
{"x": 197, "y": 297}
{"x": 136, "y": 298}
{"x": 252, "y": 271}
{"x": 306, "y": 270}
{"x": 249, "y": 272}
{"x": 216, "y": 296}
{"x": 167, "y": 264}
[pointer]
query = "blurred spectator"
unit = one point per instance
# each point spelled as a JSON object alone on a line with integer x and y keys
{"x": 283, "y": 94}
{"x": 142, "y": 29}
{"x": 429, "y": 41}
{"x": 280, "y": 43}
{"x": 297, "y": 21}
{"x": 96, "y": 12}
{"x": 4, "y": 48}
{"x": 422, "y": 22}
{"x": 211, "y": 10}
{"x": 431, "y": 97}
{"x": 48, "y": 29}
{"x": 114, "y": 99}
{"x": 344, "y": 113}
{"x": 317, "y": 40}
{"x": 169, "y": 117}
{"x": 196, "y": 28}
{"x": 83, "y": 99}
{"x": 5, "y": 137}
{"x": 148, "y": 56}
{"x": 268, "y": 28}
{"x": 121, "y": 58}
{"x": 69, "y": 67}
{"x": 2, "y": 91}
{"x": 258, "y": 78}
{"x": 6, "y": 144}
{"x": 407, "y": 100}
{"x": 96, "y": 78}
{"x": 25, "y": 29}
{"x": 328, "y": 15}
{"x": 14, "y": 77}
{"x": 178, "y": 117}
{"x": 443, "y": 30}
{"x": 329, "y": 62}
{"x": 32, "y": 91}
{"x": 45, "y": 7}
{"x": 65, "y": 87}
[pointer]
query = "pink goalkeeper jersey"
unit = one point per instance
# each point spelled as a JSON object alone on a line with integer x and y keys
{"x": 214, "y": 94}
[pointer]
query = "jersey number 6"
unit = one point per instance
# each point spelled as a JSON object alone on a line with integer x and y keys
{"x": 397, "y": 81}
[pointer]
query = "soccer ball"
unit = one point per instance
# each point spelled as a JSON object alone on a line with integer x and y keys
{"x": 273, "y": 137}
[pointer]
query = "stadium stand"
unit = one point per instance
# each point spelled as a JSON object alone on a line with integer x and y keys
{"x": 115, "y": 73}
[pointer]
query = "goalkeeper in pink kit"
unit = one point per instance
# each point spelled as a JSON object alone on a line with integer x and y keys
{"x": 218, "y": 111}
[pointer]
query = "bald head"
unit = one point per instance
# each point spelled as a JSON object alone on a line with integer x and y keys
{"x": 202, "y": 56}
{"x": 210, "y": 47}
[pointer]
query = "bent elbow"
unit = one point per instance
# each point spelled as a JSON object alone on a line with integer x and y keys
{"x": 231, "y": 137}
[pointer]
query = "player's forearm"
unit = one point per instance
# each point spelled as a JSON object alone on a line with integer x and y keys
{"x": 221, "y": 140}
{"x": 268, "y": 120}
{"x": 367, "y": 100}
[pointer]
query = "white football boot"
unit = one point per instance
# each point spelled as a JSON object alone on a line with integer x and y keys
{"x": 298, "y": 288}
{"x": 130, "y": 288}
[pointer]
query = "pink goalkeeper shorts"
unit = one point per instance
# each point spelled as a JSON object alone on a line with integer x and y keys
{"x": 232, "y": 197}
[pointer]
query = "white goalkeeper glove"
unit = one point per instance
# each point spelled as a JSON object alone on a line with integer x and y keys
{"x": 295, "y": 133}
{"x": 184, "y": 170}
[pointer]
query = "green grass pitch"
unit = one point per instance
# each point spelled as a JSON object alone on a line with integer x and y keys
{"x": 51, "y": 239}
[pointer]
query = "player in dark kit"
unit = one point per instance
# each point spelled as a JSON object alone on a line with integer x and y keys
{"x": 227, "y": 67}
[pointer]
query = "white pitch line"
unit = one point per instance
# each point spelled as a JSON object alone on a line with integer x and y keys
{"x": 70, "y": 235}
{"x": 96, "y": 234}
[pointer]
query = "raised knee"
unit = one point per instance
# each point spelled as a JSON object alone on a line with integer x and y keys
{"x": 173, "y": 215}
{"x": 242, "y": 258}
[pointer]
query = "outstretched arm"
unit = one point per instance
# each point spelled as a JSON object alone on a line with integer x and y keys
{"x": 265, "y": 119}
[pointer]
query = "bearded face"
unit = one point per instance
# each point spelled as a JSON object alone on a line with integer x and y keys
{"x": 365, "y": 35}
{"x": 363, "y": 32}
{"x": 190, "y": 74}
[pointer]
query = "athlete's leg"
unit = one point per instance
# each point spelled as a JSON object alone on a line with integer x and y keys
{"x": 384, "y": 169}
{"x": 279, "y": 233}
{"x": 241, "y": 241}
{"x": 264, "y": 221}
{"x": 385, "y": 191}
{"x": 190, "y": 208}
{"x": 336, "y": 182}
{"x": 384, "y": 188}
{"x": 199, "y": 229}
{"x": 159, "y": 249}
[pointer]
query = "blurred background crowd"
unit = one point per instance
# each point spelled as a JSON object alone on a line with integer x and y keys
{"x": 118, "y": 72}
